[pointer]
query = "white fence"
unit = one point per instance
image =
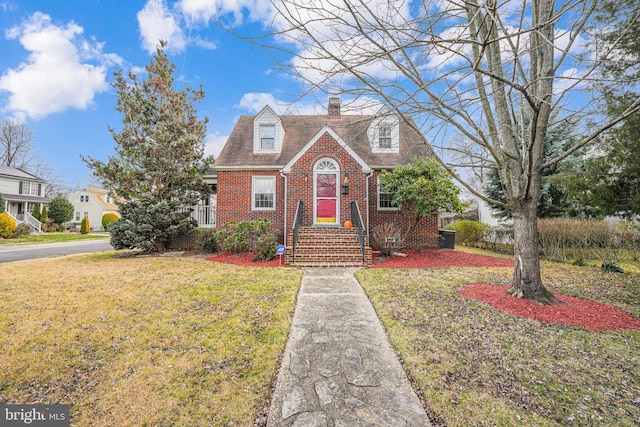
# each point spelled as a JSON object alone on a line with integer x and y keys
{"x": 204, "y": 215}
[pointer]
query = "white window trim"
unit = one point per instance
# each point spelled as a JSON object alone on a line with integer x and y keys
{"x": 392, "y": 209}
{"x": 267, "y": 117}
{"x": 388, "y": 127}
{"x": 260, "y": 137}
{"x": 253, "y": 192}
{"x": 373, "y": 132}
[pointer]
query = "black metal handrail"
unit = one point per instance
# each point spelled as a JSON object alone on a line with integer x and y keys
{"x": 297, "y": 223}
{"x": 356, "y": 220}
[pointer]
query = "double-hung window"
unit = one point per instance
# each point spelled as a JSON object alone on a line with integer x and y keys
{"x": 263, "y": 193}
{"x": 384, "y": 137}
{"x": 267, "y": 137}
{"x": 385, "y": 199}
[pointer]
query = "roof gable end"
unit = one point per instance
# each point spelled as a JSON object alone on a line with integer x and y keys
{"x": 365, "y": 167}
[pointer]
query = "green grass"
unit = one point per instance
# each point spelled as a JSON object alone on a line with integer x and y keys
{"x": 143, "y": 341}
{"x": 52, "y": 238}
{"x": 475, "y": 365}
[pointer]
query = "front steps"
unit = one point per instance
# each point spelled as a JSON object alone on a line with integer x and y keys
{"x": 327, "y": 247}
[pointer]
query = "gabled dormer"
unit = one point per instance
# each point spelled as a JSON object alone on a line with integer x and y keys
{"x": 268, "y": 132}
{"x": 384, "y": 133}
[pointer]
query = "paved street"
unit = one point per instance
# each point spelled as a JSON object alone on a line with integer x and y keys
{"x": 21, "y": 253}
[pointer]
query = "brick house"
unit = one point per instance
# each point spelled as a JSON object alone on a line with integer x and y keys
{"x": 309, "y": 174}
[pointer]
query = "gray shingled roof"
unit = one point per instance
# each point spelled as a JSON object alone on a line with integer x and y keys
{"x": 299, "y": 130}
{"x": 17, "y": 173}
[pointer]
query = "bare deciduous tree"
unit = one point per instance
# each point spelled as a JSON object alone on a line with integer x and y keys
{"x": 471, "y": 70}
{"x": 16, "y": 144}
{"x": 17, "y": 149}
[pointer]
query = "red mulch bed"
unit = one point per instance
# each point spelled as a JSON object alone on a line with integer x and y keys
{"x": 591, "y": 315}
{"x": 424, "y": 259}
{"x": 436, "y": 258}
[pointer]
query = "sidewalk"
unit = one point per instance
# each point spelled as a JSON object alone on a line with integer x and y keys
{"x": 338, "y": 368}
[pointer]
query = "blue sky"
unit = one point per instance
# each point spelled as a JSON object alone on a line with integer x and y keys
{"x": 58, "y": 59}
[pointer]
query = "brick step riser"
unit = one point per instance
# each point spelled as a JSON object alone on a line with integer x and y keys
{"x": 324, "y": 254}
{"x": 315, "y": 236}
{"x": 328, "y": 236}
{"x": 328, "y": 247}
{"x": 328, "y": 265}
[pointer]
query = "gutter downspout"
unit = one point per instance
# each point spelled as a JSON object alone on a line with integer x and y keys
{"x": 284, "y": 237}
{"x": 367, "y": 210}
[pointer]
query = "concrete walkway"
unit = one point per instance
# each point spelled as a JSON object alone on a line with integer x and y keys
{"x": 339, "y": 369}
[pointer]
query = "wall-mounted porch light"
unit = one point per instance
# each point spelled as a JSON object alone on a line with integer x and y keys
{"x": 345, "y": 185}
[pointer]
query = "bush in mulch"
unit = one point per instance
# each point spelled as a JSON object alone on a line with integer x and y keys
{"x": 436, "y": 259}
{"x": 591, "y": 315}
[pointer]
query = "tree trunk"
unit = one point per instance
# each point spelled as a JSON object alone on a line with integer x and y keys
{"x": 160, "y": 245}
{"x": 527, "y": 282}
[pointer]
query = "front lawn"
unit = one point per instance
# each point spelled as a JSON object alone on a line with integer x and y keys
{"x": 476, "y": 365}
{"x": 143, "y": 341}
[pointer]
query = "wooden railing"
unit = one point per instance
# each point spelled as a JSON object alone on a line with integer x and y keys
{"x": 297, "y": 223}
{"x": 29, "y": 219}
{"x": 205, "y": 216}
{"x": 356, "y": 220}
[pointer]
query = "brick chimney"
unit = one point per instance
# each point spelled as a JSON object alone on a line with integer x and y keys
{"x": 334, "y": 107}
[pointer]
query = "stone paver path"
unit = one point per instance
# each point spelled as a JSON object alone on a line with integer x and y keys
{"x": 339, "y": 369}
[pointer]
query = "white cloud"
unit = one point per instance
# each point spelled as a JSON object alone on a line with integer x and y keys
{"x": 157, "y": 22}
{"x": 240, "y": 10}
{"x": 254, "y": 102}
{"x": 214, "y": 143}
{"x": 204, "y": 44}
{"x": 8, "y": 6}
{"x": 57, "y": 74}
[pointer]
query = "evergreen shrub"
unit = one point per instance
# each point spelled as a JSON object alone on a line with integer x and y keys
{"x": 7, "y": 225}
{"x": 85, "y": 227}
{"x": 108, "y": 219}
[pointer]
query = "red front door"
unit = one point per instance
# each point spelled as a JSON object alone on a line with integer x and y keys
{"x": 326, "y": 200}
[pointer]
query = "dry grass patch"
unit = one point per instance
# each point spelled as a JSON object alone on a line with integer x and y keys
{"x": 143, "y": 341}
{"x": 478, "y": 366}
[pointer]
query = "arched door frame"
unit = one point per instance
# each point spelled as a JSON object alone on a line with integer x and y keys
{"x": 326, "y": 172}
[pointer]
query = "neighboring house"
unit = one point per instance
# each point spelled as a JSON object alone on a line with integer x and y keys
{"x": 92, "y": 203}
{"x": 21, "y": 192}
{"x": 330, "y": 163}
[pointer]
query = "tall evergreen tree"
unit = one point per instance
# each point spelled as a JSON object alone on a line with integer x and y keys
{"x": 159, "y": 163}
{"x": 611, "y": 181}
{"x": 554, "y": 199}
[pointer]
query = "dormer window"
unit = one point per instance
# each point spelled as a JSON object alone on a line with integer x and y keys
{"x": 384, "y": 137}
{"x": 268, "y": 133}
{"x": 384, "y": 134}
{"x": 267, "y": 137}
